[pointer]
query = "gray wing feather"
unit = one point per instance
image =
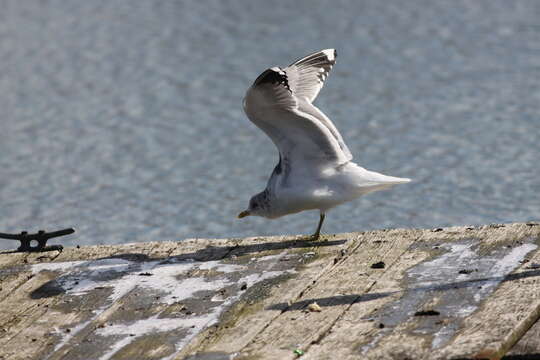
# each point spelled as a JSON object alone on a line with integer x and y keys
{"x": 319, "y": 115}
{"x": 279, "y": 103}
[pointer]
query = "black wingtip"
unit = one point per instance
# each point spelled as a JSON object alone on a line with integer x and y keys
{"x": 269, "y": 76}
{"x": 273, "y": 76}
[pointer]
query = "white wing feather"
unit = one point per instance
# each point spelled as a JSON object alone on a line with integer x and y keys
{"x": 279, "y": 103}
{"x": 306, "y": 76}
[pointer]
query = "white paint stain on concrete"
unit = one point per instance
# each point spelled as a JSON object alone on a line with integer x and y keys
{"x": 458, "y": 294}
{"x": 490, "y": 270}
{"x": 502, "y": 267}
{"x": 168, "y": 278}
{"x": 129, "y": 332}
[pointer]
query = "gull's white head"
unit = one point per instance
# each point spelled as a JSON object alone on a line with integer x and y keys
{"x": 258, "y": 206}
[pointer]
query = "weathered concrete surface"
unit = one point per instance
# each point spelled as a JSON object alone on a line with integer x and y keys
{"x": 392, "y": 294}
{"x": 528, "y": 346}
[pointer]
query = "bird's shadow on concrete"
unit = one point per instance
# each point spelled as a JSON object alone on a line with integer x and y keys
{"x": 358, "y": 298}
{"x": 210, "y": 253}
{"x": 214, "y": 253}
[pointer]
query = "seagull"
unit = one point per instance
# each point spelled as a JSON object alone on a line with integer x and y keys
{"x": 315, "y": 169}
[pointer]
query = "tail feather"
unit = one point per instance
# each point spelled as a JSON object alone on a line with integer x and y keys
{"x": 394, "y": 180}
{"x": 377, "y": 178}
{"x": 370, "y": 181}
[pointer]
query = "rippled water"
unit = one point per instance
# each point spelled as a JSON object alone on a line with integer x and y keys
{"x": 123, "y": 119}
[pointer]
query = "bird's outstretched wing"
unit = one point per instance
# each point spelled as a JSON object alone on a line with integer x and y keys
{"x": 306, "y": 76}
{"x": 280, "y": 103}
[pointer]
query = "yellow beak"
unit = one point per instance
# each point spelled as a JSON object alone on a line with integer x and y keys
{"x": 243, "y": 214}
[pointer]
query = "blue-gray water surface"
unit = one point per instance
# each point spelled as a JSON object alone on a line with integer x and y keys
{"x": 123, "y": 118}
